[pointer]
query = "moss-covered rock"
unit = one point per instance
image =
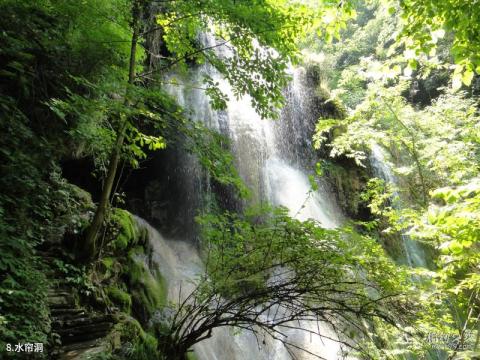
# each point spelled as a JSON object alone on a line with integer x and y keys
{"x": 392, "y": 243}
{"x": 82, "y": 198}
{"x": 331, "y": 107}
{"x": 125, "y": 232}
{"x": 128, "y": 337}
{"x": 317, "y": 79}
{"x": 147, "y": 287}
{"x": 349, "y": 182}
{"x": 132, "y": 285}
{"x": 120, "y": 298}
{"x": 81, "y": 211}
{"x": 74, "y": 221}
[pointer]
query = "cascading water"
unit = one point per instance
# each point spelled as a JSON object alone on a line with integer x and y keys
{"x": 414, "y": 254}
{"x": 271, "y": 157}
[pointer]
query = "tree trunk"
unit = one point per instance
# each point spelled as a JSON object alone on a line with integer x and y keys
{"x": 90, "y": 245}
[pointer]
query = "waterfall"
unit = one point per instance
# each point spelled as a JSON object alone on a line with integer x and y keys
{"x": 272, "y": 157}
{"x": 414, "y": 254}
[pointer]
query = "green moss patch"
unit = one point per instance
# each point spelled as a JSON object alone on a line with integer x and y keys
{"x": 142, "y": 345}
{"x": 149, "y": 290}
{"x": 120, "y": 298}
{"x": 125, "y": 231}
{"x": 191, "y": 356}
{"x": 82, "y": 198}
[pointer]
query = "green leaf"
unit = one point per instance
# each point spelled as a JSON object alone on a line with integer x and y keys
{"x": 467, "y": 77}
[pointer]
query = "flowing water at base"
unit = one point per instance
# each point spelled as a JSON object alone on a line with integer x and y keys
{"x": 180, "y": 265}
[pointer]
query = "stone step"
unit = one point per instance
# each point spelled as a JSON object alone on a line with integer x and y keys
{"x": 70, "y": 338}
{"x": 47, "y": 255}
{"x": 54, "y": 273}
{"x": 59, "y": 281}
{"x": 85, "y": 328}
{"x": 55, "y": 302}
{"x": 62, "y": 286}
{"x": 67, "y": 322}
{"x": 78, "y": 346}
{"x": 80, "y": 321}
{"x": 88, "y": 353}
{"x": 69, "y": 316}
{"x": 55, "y": 296}
{"x": 59, "y": 291}
{"x": 59, "y": 312}
{"x": 79, "y": 331}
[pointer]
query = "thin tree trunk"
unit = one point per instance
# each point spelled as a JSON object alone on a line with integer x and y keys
{"x": 90, "y": 244}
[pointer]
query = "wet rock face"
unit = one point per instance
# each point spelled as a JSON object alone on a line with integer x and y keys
{"x": 166, "y": 191}
{"x": 349, "y": 182}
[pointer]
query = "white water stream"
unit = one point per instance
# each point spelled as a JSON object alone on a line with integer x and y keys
{"x": 264, "y": 161}
{"x": 414, "y": 254}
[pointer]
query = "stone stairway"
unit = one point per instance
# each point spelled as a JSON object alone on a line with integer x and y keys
{"x": 76, "y": 332}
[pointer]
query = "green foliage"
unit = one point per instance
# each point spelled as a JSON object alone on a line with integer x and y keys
{"x": 76, "y": 277}
{"x": 262, "y": 259}
{"x": 351, "y": 87}
{"x": 431, "y": 147}
{"x": 425, "y": 22}
{"x": 24, "y": 312}
{"x": 243, "y": 252}
{"x": 378, "y": 195}
{"x": 46, "y": 47}
{"x": 93, "y": 117}
{"x": 451, "y": 224}
{"x": 213, "y": 153}
{"x": 433, "y": 153}
{"x": 366, "y": 36}
{"x": 330, "y": 19}
{"x": 35, "y": 205}
{"x": 260, "y": 74}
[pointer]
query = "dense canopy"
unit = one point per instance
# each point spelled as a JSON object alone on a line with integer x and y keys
{"x": 313, "y": 168}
